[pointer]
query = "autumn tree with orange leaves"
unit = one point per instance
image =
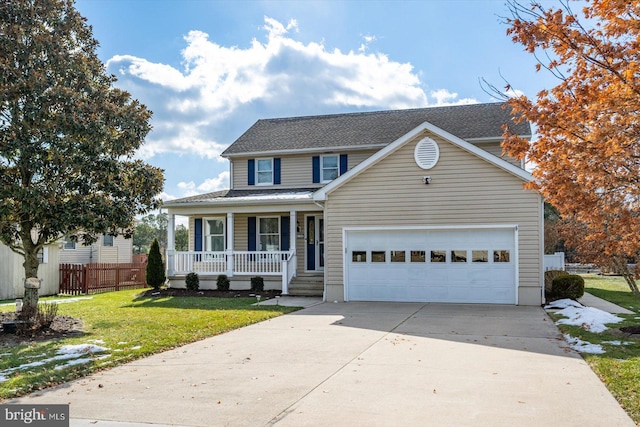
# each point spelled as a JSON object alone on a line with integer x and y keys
{"x": 587, "y": 153}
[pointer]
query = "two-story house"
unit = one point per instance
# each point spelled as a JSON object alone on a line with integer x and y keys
{"x": 407, "y": 205}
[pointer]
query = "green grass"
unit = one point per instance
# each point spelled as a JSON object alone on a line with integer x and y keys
{"x": 130, "y": 327}
{"x": 619, "y": 367}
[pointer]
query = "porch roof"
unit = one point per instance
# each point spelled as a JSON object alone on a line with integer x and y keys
{"x": 232, "y": 197}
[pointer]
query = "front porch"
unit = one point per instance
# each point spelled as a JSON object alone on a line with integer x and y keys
{"x": 275, "y": 264}
{"x": 278, "y": 237}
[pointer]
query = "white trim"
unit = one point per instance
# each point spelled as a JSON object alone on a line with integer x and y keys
{"x": 230, "y": 174}
{"x": 346, "y": 230}
{"x": 256, "y": 182}
{"x": 271, "y": 207}
{"x": 320, "y": 150}
{"x": 321, "y": 194}
{"x": 494, "y": 139}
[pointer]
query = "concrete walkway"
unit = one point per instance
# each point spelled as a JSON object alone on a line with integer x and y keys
{"x": 593, "y": 301}
{"x": 357, "y": 364}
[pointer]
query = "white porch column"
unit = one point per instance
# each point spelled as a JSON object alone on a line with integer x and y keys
{"x": 230, "y": 228}
{"x": 171, "y": 244}
{"x": 293, "y": 233}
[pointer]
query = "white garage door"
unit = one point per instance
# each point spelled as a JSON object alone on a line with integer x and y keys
{"x": 435, "y": 265}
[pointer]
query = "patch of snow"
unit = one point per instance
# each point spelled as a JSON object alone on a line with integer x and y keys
{"x": 96, "y": 341}
{"x": 616, "y": 342}
{"x": 81, "y": 349}
{"x": 138, "y": 347}
{"x": 80, "y": 361}
{"x": 563, "y": 303}
{"x": 122, "y": 343}
{"x": 589, "y": 318}
{"x": 583, "y": 346}
{"x": 65, "y": 352}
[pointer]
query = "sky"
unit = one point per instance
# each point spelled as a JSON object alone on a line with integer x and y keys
{"x": 210, "y": 69}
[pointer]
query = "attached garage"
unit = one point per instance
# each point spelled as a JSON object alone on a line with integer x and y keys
{"x": 457, "y": 264}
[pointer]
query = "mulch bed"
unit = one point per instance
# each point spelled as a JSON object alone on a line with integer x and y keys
{"x": 62, "y": 327}
{"x": 211, "y": 293}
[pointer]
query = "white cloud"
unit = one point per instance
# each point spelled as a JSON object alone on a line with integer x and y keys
{"x": 219, "y": 91}
{"x": 215, "y": 184}
{"x": 444, "y": 97}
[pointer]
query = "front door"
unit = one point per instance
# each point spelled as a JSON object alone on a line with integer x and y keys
{"x": 314, "y": 231}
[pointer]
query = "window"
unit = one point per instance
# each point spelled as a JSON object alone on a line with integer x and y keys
{"x": 214, "y": 237}
{"x": 501, "y": 256}
{"x": 264, "y": 171}
{"x": 358, "y": 256}
{"x": 43, "y": 256}
{"x": 107, "y": 240}
{"x": 438, "y": 256}
{"x": 68, "y": 244}
{"x": 458, "y": 256}
{"x": 329, "y": 168}
{"x": 269, "y": 234}
{"x": 398, "y": 256}
{"x": 418, "y": 256}
{"x": 479, "y": 256}
{"x": 378, "y": 256}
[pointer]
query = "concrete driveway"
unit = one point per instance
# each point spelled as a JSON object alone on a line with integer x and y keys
{"x": 357, "y": 364}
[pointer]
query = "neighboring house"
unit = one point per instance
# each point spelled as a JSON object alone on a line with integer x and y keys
{"x": 408, "y": 205}
{"x": 12, "y": 272}
{"x": 107, "y": 249}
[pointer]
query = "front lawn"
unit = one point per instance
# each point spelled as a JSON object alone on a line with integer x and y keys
{"x": 619, "y": 366}
{"x": 128, "y": 327}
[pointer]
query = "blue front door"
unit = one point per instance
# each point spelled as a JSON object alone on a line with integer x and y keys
{"x": 311, "y": 242}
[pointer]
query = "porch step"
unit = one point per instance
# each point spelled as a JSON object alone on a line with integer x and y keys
{"x": 308, "y": 286}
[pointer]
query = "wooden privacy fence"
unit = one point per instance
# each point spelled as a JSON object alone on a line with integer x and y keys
{"x": 77, "y": 279}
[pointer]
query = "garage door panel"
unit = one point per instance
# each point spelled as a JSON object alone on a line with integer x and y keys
{"x": 420, "y": 279}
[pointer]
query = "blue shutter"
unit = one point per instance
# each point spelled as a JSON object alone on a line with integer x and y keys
{"x": 252, "y": 233}
{"x": 251, "y": 167}
{"x": 197, "y": 235}
{"x": 343, "y": 163}
{"x": 276, "y": 170}
{"x": 285, "y": 235}
{"x": 316, "y": 169}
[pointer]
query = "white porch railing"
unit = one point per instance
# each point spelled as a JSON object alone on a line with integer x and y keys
{"x": 280, "y": 263}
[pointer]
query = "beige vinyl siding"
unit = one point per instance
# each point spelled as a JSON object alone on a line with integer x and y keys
{"x": 295, "y": 170}
{"x": 12, "y": 273}
{"x": 496, "y": 150}
{"x": 120, "y": 252}
{"x": 464, "y": 190}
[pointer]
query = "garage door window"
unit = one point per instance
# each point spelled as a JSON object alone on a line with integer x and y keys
{"x": 378, "y": 256}
{"x": 418, "y": 256}
{"x": 438, "y": 256}
{"x": 398, "y": 256}
{"x": 479, "y": 256}
{"x": 358, "y": 256}
{"x": 458, "y": 256}
{"x": 501, "y": 256}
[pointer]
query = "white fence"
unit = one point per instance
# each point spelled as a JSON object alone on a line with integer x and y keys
{"x": 554, "y": 262}
{"x": 237, "y": 263}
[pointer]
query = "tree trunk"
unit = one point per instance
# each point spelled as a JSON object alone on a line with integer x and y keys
{"x": 30, "y": 265}
{"x": 621, "y": 267}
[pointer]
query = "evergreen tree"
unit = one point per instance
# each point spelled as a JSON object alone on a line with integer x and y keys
{"x": 155, "y": 267}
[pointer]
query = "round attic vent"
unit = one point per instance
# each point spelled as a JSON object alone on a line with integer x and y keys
{"x": 426, "y": 153}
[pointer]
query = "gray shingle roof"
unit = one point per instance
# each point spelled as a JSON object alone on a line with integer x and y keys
{"x": 226, "y": 195}
{"x": 374, "y": 128}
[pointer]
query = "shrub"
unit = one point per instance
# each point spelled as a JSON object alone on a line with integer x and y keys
{"x": 155, "y": 267}
{"x": 549, "y": 275}
{"x": 46, "y": 315}
{"x": 257, "y": 284}
{"x": 569, "y": 286}
{"x": 193, "y": 282}
{"x": 223, "y": 283}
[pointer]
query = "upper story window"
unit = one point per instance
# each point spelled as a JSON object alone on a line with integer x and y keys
{"x": 329, "y": 168}
{"x": 107, "y": 240}
{"x": 68, "y": 244}
{"x": 264, "y": 171}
